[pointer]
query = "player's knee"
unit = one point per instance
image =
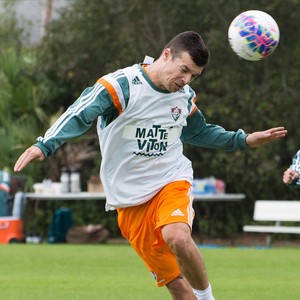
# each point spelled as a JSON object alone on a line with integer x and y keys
{"x": 178, "y": 240}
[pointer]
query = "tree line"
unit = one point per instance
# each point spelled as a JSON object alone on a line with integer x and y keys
{"x": 92, "y": 38}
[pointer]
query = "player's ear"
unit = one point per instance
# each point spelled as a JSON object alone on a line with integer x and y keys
{"x": 167, "y": 54}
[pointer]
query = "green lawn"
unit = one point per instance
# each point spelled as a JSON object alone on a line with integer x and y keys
{"x": 109, "y": 272}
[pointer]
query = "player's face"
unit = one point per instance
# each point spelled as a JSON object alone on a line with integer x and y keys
{"x": 179, "y": 71}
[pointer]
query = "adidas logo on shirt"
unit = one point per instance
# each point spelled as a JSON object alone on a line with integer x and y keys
{"x": 177, "y": 212}
{"x": 136, "y": 80}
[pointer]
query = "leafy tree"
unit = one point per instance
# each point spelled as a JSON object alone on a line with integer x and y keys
{"x": 14, "y": 89}
{"x": 92, "y": 38}
{"x": 22, "y": 96}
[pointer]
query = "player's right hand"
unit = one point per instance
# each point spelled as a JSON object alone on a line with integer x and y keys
{"x": 31, "y": 154}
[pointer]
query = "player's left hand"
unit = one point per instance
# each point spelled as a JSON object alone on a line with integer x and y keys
{"x": 260, "y": 138}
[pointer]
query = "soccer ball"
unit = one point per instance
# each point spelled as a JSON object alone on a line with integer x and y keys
{"x": 253, "y": 35}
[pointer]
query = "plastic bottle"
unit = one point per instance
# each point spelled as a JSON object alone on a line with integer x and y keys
{"x": 47, "y": 186}
{"x": 65, "y": 180}
{"x": 210, "y": 187}
{"x": 75, "y": 183}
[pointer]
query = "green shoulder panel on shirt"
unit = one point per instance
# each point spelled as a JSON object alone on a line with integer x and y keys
{"x": 123, "y": 82}
{"x": 190, "y": 101}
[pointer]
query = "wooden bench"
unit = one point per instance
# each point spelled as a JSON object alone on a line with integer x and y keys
{"x": 275, "y": 211}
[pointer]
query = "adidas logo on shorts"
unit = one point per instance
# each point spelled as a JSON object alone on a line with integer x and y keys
{"x": 176, "y": 213}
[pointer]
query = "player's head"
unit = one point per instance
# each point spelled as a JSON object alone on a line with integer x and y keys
{"x": 181, "y": 61}
{"x": 192, "y": 43}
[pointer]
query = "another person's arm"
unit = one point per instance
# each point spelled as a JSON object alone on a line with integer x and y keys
{"x": 291, "y": 175}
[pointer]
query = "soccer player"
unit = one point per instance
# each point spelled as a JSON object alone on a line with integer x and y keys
{"x": 291, "y": 174}
{"x": 145, "y": 113}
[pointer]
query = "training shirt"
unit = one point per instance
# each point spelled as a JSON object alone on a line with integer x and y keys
{"x": 141, "y": 129}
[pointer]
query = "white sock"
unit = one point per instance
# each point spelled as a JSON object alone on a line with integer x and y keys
{"x": 204, "y": 295}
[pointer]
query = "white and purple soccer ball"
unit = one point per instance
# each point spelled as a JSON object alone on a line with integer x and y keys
{"x": 253, "y": 35}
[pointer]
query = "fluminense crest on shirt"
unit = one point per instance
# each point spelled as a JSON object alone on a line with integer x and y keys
{"x": 175, "y": 112}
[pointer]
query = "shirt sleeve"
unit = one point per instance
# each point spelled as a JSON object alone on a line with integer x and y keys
{"x": 199, "y": 133}
{"x": 77, "y": 119}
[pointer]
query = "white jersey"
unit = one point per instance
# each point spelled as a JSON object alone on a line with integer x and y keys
{"x": 141, "y": 129}
{"x": 141, "y": 148}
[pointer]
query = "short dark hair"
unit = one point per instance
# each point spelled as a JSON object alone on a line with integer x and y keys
{"x": 191, "y": 42}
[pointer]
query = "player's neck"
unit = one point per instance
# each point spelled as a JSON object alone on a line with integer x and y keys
{"x": 153, "y": 72}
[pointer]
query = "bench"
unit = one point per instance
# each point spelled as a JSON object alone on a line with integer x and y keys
{"x": 275, "y": 211}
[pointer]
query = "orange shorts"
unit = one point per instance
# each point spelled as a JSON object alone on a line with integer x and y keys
{"x": 141, "y": 226}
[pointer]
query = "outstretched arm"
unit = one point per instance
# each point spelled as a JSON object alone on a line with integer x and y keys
{"x": 199, "y": 133}
{"x": 75, "y": 121}
{"x": 260, "y": 138}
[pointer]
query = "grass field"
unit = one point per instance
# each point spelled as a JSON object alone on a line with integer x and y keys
{"x": 109, "y": 272}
